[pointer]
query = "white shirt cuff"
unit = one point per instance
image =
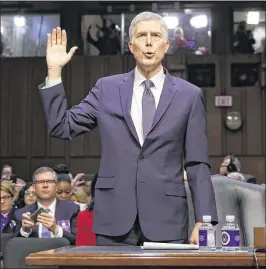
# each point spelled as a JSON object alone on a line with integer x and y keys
{"x": 60, "y": 232}
{"x": 50, "y": 83}
{"x": 25, "y": 234}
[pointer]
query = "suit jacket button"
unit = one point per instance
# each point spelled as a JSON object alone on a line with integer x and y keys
{"x": 141, "y": 157}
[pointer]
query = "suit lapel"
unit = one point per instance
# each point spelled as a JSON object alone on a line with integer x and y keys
{"x": 167, "y": 95}
{"x": 57, "y": 210}
{"x": 126, "y": 92}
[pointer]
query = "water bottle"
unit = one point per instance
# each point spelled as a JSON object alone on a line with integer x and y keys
{"x": 206, "y": 234}
{"x": 230, "y": 235}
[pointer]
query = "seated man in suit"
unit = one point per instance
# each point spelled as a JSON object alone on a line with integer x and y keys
{"x": 60, "y": 221}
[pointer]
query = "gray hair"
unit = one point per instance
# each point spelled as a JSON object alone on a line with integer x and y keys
{"x": 145, "y": 16}
{"x": 236, "y": 162}
{"x": 44, "y": 169}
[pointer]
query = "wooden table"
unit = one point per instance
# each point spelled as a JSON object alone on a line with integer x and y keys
{"x": 135, "y": 256}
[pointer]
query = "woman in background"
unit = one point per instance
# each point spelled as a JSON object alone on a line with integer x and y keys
{"x": 26, "y": 196}
{"x": 85, "y": 235}
{"x": 63, "y": 187}
{"x": 7, "y": 218}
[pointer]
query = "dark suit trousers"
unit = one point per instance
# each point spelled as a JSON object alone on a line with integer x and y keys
{"x": 134, "y": 237}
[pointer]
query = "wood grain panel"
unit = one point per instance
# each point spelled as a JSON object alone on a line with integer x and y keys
{"x": 19, "y": 165}
{"x": 77, "y": 91}
{"x": 84, "y": 165}
{"x": 215, "y": 126}
{"x": 56, "y": 147}
{"x": 254, "y": 166}
{"x": 18, "y": 90}
{"x": 253, "y": 122}
{"x": 37, "y": 121}
{"x": 50, "y": 162}
{"x": 5, "y": 120}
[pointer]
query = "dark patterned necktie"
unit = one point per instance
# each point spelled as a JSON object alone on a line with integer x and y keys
{"x": 148, "y": 107}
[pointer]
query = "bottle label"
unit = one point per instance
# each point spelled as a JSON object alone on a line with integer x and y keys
{"x": 230, "y": 238}
{"x": 203, "y": 238}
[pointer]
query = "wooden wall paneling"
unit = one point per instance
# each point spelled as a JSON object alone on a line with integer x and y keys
{"x": 18, "y": 97}
{"x": 215, "y": 127}
{"x": 19, "y": 165}
{"x": 87, "y": 165}
{"x": 254, "y": 166}
{"x": 45, "y": 161}
{"x": 113, "y": 65}
{"x": 58, "y": 147}
{"x": 76, "y": 92}
{"x": 37, "y": 119}
{"x": 254, "y": 121}
{"x": 5, "y": 121}
{"x": 93, "y": 68}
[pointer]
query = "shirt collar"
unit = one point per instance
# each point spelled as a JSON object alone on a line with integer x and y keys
{"x": 51, "y": 207}
{"x": 156, "y": 79}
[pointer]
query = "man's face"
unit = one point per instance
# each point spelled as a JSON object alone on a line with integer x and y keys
{"x": 148, "y": 44}
{"x": 45, "y": 186}
{"x": 6, "y": 173}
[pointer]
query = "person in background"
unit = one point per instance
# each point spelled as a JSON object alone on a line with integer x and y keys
{"x": 7, "y": 171}
{"x": 63, "y": 187}
{"x": 60, "y": 217}
{"x": 63, "y": 169}
{"x": 7, "y": 219}
{"x": 27, "y": 196}
{"x": 85, "y": 235}
{"x": 80, "y": 196}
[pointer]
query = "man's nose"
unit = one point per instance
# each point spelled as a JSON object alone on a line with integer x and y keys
{"x": 148, "y": 40}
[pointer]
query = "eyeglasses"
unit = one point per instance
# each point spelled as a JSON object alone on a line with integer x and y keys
{"x": 48, "y": 182}
{"x": 30, "y": 193}
{"x": 5, "y": 198}
{"x": 61, "y": 192}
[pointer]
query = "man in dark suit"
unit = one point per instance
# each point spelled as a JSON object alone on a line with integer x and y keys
{"x": 152, "y": 125}
{"x": 61, "y": 216}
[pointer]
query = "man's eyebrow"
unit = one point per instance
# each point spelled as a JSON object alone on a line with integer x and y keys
{"x": 145, "y": 32}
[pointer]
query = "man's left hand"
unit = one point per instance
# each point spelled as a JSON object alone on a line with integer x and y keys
{"x": 194, "y": 238}
{"x": 48, "y": 221}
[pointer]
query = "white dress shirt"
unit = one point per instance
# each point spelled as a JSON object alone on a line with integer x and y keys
{"x": 51, "y": 212}
{"x": 138, "y": 89}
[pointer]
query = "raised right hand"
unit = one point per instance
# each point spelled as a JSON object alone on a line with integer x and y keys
{"x": 56, "y": 54}
{"x": 26, "y": 221}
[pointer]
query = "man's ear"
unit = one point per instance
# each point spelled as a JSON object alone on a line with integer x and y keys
{"x": 130, "y": 45}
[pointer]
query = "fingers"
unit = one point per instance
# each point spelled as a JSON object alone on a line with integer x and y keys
{"x": 27, "y": 223}
{"x": 49, "y": 40}
{"x": 26, "y": 216}
{"x": 64, "y": 38}
{"x": 57, "y": 37}
{"x": 54, "y": 37}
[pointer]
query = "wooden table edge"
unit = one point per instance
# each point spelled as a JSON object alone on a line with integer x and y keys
{"x": 146, "y": 259}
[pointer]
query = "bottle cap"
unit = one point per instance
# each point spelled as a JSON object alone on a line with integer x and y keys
{"x": 230, "y": 218}
{"x": 207, "y": 218}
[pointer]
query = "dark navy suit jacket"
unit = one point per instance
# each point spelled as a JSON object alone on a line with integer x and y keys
{"x": 141, "y": 179}
{"x": 64, "y": 210}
